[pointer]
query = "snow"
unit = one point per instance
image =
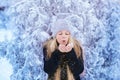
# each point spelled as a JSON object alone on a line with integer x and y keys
{"x": 26, "y": 24}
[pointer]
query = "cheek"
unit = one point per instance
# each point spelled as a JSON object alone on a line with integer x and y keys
{"x": 58, "y": 39}
{"x": 67, "y": 38}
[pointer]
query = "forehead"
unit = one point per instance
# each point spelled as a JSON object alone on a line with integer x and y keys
{"x": 64, "y": 31}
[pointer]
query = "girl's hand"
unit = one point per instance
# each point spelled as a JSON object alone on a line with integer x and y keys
{"x": 62, "y": 48}
{"x": 69, "y": 47}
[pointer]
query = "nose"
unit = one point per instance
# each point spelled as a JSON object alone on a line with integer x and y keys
{"x": 63, "y": 36}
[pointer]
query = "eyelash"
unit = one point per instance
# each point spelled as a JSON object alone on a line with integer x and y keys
{"x": 65, "y": 33}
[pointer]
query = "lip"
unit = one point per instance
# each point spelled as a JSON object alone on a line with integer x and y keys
{"x": 63, "y": 40}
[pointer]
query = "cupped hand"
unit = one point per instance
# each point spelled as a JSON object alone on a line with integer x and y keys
{"x": 64, "y": 48}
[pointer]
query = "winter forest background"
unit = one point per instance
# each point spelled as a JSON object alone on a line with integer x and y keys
{"x": 25, "y": 25}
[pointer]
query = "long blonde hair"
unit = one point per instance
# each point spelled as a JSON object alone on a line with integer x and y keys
{"x": 51, "y": 45}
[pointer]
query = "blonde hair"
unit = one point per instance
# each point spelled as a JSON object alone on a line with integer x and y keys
{"x": 51, "y": 45}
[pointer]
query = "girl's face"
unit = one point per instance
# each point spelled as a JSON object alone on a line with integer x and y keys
{"x": 63, "y": 37}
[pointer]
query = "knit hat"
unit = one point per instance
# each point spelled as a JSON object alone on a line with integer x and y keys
{"x": 61, "y": 24}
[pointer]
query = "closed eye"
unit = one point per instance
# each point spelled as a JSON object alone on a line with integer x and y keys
{"x": 60, "y": 33}
{"x": 67, "y": 33}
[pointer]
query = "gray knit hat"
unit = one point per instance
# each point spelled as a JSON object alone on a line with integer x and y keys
{"x": 61, "y": 24}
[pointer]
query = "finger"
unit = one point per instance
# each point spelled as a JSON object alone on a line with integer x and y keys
{"x": 68, "y": 48}
{"x": 62, "y": 49}
{"x": 61, "y": 45}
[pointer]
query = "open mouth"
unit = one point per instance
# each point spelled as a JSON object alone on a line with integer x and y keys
{"x": 63, "y": 41}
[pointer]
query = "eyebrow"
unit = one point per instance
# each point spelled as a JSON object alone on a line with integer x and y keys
{"x": 65, "y": 32}
{"x": 59, "y": 32}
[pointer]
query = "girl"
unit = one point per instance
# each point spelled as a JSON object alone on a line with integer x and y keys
{"x": 63, "y": 55}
